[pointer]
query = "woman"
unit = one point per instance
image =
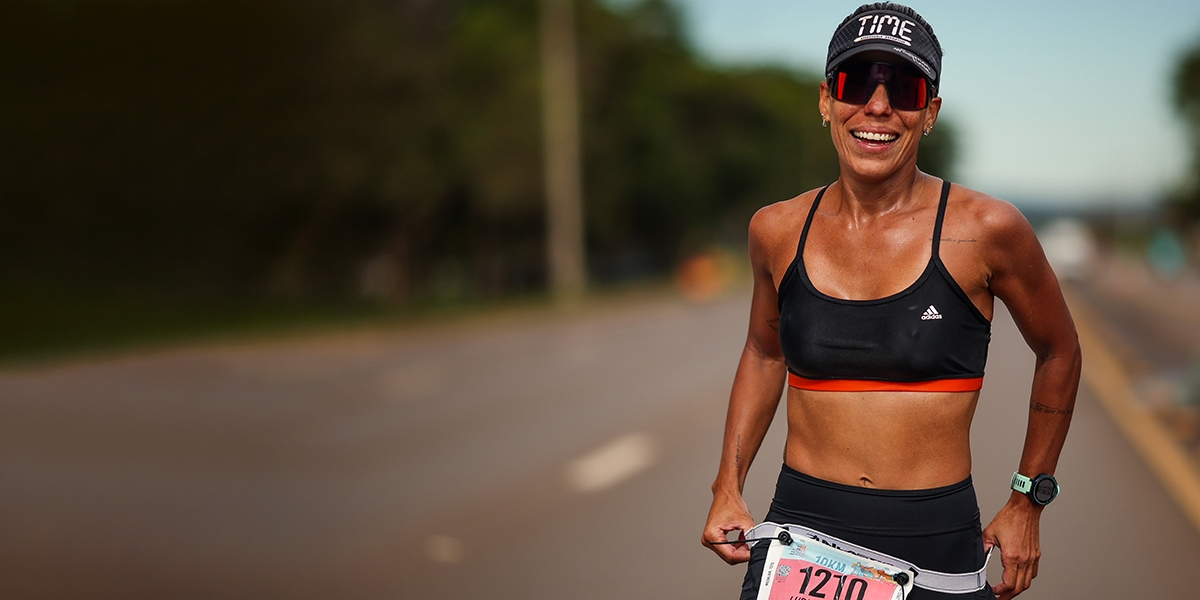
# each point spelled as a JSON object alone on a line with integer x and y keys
{"x": 873, "y": 299}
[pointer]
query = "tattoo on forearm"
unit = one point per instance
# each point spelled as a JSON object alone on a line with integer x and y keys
{"x": 1038, "y": 407}
{"x": 737, "y": 457}
{"x": 773, "y": 324}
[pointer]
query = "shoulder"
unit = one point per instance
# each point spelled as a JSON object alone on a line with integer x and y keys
{"x": 780, "y": 218}
{"x": 988, "y": 216}
{"x": 1005, "y": 234}
{"x": 775, "y": 229}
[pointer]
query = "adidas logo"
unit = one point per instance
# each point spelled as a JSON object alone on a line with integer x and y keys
{"x": 931, "y": 313}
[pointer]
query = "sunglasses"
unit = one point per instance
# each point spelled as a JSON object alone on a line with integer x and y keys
{"x": 855, "y": 83}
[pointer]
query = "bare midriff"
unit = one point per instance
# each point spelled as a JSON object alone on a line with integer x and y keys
{"x": 885, "y": 440}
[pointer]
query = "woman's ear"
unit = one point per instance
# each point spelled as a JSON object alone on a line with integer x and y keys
{"x": 935, "y": 106}
{"x": 824, "y": 101}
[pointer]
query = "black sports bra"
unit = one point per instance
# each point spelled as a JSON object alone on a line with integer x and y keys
{"x": 928, "y": 337}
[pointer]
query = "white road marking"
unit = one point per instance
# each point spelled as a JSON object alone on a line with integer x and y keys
{"x": 612, "y": 463}
{"x": 444, "y": 549}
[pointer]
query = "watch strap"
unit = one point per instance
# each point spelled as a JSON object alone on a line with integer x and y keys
{"x": 1021, "y": 483}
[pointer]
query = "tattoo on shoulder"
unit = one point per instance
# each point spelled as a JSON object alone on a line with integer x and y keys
{"x": 773, "y": 324}
{"x": 1038, "y": 407}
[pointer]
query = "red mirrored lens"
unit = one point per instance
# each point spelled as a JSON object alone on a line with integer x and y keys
{"x": 856, "y": 82}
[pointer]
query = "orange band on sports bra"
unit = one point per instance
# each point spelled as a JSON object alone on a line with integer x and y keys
{"x": 869, "y": 385}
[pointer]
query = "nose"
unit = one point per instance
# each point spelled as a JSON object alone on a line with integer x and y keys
{"x": 879, "y": 104}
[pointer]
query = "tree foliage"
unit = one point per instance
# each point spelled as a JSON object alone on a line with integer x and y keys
{"x": 315, "y": 149}
{"x": 1187, "y": 102}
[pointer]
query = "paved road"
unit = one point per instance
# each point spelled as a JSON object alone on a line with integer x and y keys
{"x": 567, "y": 457}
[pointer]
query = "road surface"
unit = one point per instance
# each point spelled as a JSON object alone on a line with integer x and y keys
{"x": 567, "y": 456}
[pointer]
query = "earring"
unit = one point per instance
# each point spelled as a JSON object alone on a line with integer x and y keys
{"x": 928, "y": 130}
{"x": 824, "y": 121}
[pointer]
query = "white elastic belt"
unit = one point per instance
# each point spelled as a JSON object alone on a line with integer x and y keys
{"x": 934, "y": 581}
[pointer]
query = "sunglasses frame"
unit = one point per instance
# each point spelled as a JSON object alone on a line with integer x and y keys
{"x": 878, "y": 75}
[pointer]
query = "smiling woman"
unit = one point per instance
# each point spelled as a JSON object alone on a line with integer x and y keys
{"x": 881, "y": 333}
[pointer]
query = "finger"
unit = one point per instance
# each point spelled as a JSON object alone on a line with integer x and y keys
{"x": 1002, "y": 591}
{"x": 1003, "y": 585}
{"x": 1009, "y": 576}
{"x": 719, "y": 533}
{"x": 1022, "y": 579}
{"x": 732, "y": 553}
{"x": 740, "y": 554}
{"x": 718, "y": 550}
{"x": 989, "y": 540}
{"x": 708, "y": 538}
{"x": 1027, "y": 574}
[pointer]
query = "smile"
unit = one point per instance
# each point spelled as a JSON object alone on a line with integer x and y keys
{"x": 871, "y": 136}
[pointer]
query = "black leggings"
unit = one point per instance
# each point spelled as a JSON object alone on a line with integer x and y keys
{"x": 936, "y": 529}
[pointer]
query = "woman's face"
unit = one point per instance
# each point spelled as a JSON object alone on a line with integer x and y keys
{"x": 875, "y": 141}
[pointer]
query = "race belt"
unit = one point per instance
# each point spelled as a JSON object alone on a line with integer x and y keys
{"x": 806, "y": 563}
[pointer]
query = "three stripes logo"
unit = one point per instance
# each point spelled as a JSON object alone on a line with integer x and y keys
{"x": 931, "y": 313}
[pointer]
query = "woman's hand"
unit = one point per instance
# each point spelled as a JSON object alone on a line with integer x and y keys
{"x": 728, "y": 513}
{"x": 1015, "y": 531}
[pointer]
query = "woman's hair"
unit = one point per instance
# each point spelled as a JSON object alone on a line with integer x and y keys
{"x": 904, "y": 10}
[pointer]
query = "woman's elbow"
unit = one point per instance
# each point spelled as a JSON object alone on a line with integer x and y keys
{"x": 1064, "y": 351}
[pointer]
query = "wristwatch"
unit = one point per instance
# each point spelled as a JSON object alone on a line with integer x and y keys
{"x": 1042, "y": 490}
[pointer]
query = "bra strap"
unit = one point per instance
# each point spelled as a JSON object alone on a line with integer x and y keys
{"x": 808, "y": 223}
{"x": 941, "y": 216}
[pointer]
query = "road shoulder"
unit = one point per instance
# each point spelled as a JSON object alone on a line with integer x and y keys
{"x": 1112, "y": 386}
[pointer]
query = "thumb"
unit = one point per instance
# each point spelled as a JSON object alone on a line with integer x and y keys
{"x": 989, "y": 541}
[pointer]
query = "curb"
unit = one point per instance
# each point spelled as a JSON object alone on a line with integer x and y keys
{"x": 1107, "y": 379}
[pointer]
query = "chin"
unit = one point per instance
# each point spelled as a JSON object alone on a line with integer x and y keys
{"x": 874, "y": 169}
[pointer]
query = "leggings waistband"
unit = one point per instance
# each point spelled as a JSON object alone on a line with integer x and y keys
{"x": 802, "y": 498}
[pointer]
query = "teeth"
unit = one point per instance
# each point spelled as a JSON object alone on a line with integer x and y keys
{"x": 875, "y": 137}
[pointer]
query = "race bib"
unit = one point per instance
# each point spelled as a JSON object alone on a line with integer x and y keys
{"x": 807, "y": 569}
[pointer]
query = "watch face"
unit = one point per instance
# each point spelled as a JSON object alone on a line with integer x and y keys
{"x": 1044, "y": 490}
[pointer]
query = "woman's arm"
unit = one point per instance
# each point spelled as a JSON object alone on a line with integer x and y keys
{"x": 756, "y": 390}
{"x": 1023, "y": 280}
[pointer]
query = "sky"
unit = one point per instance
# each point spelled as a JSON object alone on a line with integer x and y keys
{"x": 1065, "y": 102}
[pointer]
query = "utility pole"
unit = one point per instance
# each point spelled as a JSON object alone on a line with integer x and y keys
{"x": 561, "y": 152}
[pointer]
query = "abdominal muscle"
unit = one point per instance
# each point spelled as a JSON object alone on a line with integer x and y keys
{"x": 886, "y": 440}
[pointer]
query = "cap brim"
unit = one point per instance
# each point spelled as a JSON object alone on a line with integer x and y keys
{"x": 884, "y": 48}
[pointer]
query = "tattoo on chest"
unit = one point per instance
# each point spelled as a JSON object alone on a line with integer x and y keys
{"x": 950, "y": 240}
{"x": 773, "y": 324}
{"x": 1038, "y": 407}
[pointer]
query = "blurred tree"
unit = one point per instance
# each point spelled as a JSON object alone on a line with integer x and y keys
{"x": 1187, "y": 101}
{"x": 392, "y": 148}
{"x": 677, "y": 149}
{"x": 939, "y": 150}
